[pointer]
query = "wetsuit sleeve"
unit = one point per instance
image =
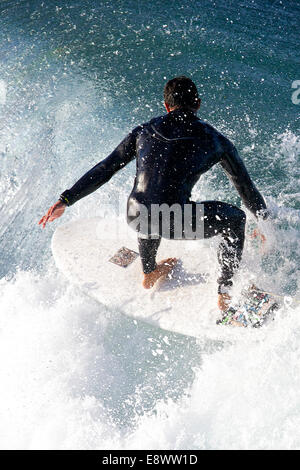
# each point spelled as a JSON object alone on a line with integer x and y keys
{"x": 124, "y": 153}
{"x": 239, "y": 176}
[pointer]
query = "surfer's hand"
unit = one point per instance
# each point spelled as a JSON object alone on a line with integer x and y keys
{"x": 53, "y": 213}
{"x": 257, "y": 234}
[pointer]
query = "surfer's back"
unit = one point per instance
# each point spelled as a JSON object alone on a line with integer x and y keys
{"x": 173, "y": 151}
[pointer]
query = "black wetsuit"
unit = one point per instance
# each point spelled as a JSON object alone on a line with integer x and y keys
{"x": 172, "y": 152}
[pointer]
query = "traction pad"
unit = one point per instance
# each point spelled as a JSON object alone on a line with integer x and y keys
{"x": 256, "y": 308}
{"x": 124, "y": 257}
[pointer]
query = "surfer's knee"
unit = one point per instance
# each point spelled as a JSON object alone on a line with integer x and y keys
{"x": 235, "y": 225}
{"x": 239, "y": 221}
{"x": 243, "y": 216}
{"x": 240, "y": 215}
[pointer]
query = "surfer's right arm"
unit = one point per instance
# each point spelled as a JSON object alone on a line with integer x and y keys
{"x": 53, "y": 213}
{"x": 124, "y": 153}
{"x": 236, "y": 171}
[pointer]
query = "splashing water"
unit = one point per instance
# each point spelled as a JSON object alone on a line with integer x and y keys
{"x": 74, "y": 79}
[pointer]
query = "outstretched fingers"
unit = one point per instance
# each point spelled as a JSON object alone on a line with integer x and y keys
{"x": 46, "y": 218}
{"x": 42, "y": 220}
{"x": 257, "y": 234}
{"x": 53, "y": 213}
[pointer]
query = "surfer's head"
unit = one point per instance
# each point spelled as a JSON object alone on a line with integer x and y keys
{"x": 181, "y": 92}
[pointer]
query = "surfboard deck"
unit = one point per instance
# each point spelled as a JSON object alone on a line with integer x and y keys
{"x": 87, "y": 252}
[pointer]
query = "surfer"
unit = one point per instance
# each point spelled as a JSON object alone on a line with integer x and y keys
{"x": 172, "y": 151}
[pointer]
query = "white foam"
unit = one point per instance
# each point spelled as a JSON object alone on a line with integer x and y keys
{"x": 2, "y": 92}
{"x": 56, "y": 371}
{"x": 244, "y": 397}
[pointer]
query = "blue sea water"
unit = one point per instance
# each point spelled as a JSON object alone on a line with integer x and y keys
{"x": 75, "y": 77}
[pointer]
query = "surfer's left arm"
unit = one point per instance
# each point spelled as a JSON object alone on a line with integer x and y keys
{"x": 239, "y": 176}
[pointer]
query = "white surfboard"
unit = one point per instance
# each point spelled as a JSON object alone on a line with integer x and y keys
{"x": 187, "y": 303}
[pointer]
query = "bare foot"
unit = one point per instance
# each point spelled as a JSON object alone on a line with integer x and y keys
{"x": 223, "y": 302}
{"x": 163, "y": 269}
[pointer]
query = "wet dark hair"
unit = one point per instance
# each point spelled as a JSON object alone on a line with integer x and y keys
{"x": 181, "y": 92}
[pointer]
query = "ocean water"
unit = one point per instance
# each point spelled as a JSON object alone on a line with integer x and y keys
{"x": 75, "y": 77}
